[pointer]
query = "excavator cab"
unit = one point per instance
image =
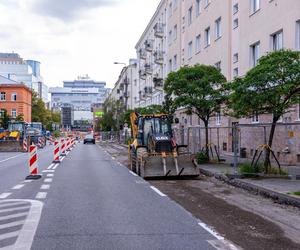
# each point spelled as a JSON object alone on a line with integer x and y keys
{"x": 154, "y": 151}
{"x": 16, "y": 130}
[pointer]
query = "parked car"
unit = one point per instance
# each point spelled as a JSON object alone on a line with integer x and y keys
{"x": 89, "y": 139}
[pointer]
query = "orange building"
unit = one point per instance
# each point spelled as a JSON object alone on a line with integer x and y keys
{"x": 15, "y": 98}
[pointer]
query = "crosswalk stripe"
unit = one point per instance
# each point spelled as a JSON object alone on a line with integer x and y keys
{"x": 10, "y": 204}
{"x": 12, "y": 224}
{"x": 41, "y": 195}
{"x": 4, "y": 195}
{"x": 18, "y": 186}
{"x": 9, "y": 235}
{"x": 15, "y": 209}
{"x": 12, "y": 216}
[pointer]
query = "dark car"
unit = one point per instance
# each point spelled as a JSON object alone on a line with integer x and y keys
{"x": 89, "y": 139}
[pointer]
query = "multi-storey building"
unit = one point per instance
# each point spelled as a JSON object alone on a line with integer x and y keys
{"x": 15, "y": 99}
{"x": 151, "y": 54}
{"x": 14, "y": 67}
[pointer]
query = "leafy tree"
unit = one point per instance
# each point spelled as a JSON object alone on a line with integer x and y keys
{"x": 39, "y": 111}
{"x": 271, "y": 87}
{"x": 5, "y": 119}
{"x": 200, "y": 89}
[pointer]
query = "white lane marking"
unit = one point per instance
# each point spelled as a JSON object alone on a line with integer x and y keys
{"x": 27, "y": 181}
{"x": 4, "y": 195}
{"x": 9, "y": 235}
{"x": 62, "y": 158}
{"x": 41, "y": 195}
{"x": 48, "y": 180}
{"x": 51, "y": 166}
{"x": 12, "y": 216}
{"x": 55, "y": 167}
{"x": 10, "y": 204}
{"x": 18, "y": 186}
{"x": 48, "y": 171}
{"x": 211, "y": 231}
{"x": 67, "y": 152}
{"x": 134, "y": 174}
{"x": 10, "y": 158}
{"x": 157, "y": 191}
{"x": 50, "y": 175}
{"x": 29, "y": 228}
{"x": 15, "y": 208}
{"x": 45, "y": 187}
{"x": 12, "y": 224}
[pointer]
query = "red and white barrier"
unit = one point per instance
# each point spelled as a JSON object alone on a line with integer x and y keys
{"x": 25, "y": 145}
{"x": 33, "y": 163}
{"x": 63, "y": 147}
{"x": 56, "y": 152}
{"x": 68, "y": 144}
{"x": 40, "y": 142}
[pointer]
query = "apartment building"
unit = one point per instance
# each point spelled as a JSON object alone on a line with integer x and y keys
{"x": 151, "y": 59}
{"x": 15, "y": 98}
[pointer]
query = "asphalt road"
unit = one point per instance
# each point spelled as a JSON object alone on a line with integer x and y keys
{"x": 89, "y": 201}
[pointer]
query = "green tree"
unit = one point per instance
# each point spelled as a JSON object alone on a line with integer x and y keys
{"x": 271, "y": 87}
{"x": 200, "y": 89}
{"x": 39, "y": 111}
{"x": 5, "y": 119}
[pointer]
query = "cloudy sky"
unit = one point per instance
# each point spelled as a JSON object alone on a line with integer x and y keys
{"x": 74, "y": 37}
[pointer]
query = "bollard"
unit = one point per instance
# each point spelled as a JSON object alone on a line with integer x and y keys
{"x": 56, "y": 152}
{"x": 33, "y": 164}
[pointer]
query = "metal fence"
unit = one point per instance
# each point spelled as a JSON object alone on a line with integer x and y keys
{"x": 239, "y": 143}
{"x": 121, "y": 137}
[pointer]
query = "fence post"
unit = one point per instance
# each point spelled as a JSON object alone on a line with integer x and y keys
{"x": 235, "y": 148}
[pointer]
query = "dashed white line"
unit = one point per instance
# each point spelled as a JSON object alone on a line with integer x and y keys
{"x": 4, "y": 195}
{"x": 211, "y": 231}
{"x": 18, "y": 186}
{"x": 45, "y": 187}
{"x": 157, "y": 191}
{"x": 55, "y": 167}
{"x": 11, "y": 158}
{"x": 134, "y": 174}
{"x": 41, "y": 195}
{"x": 48, "y": 171}
{"x": 48, "y": 180}
{"x": 51, "y": 166}
{"x": 50, "y": 175}
{"x": 27, "y": 181}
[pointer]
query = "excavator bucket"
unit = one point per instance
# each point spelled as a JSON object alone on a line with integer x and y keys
{"x": 160, "y": 166}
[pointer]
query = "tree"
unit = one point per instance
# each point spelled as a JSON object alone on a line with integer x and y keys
{"x": 5, "y": 119}
{"x": 271, "y": 87}
{"x": 39, "y": 111}
{"x": 200, "y": 89}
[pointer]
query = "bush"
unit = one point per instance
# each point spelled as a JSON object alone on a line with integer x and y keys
{"x": 248, "y": 169}
{"x": 277, "y": 172}
{"x": 56, "y": 134}
{"x": 202, "y": 158}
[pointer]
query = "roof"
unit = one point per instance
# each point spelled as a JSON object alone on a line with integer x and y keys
{"x": 5, "y": 80}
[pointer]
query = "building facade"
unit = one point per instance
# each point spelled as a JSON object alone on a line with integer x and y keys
{"x": 14, "y": 67}
{"x": 15, "y": 98}
{"x": 81, "y": 94}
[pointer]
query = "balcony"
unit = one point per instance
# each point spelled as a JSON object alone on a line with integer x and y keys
{"x": 159, "y": 30}
{"x": 158, "y": 82}
{"x": 159, "y": 57}
{"x": 148, "y": 69}
{"x": 142, "y": 95}
{"x": 142, "y": 74}
{"x": 149, "y": 45}
{"x": 148, "y": 91}
{"x": 143, "y": 54}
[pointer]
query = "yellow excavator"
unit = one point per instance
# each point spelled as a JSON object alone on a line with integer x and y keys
{"x": 154, "y": 152}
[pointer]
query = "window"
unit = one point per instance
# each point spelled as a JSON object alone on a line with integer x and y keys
{"x": 175, "y": 33}
{"x": 175, "y": 63}
{"x": 218, "y": 65}
{"x": 207, "y": 37}
{"x": 170, "y": 65}
{"x": 190, "y": 15}
{"x": 170, "y": 9}
{"x": 235, "y": 8}
{"x": 2, "y": 111}
{"x": 218, "y": 118}
{"x": 255, "y": 6}
{"x": 2, "y": 96}
{"x": 218, "y": 28}
{"x": 13, "y": 113}
{"x": 170, "y": 37}
{"x": 235, "y": 58}
{"x": 198, "y": 7}
{"x": 255, "y": 118}
{"x": 277, "y": 41}
{"x": 298, "y": 34}
{"x": 14, "y": 97}
{"x": 183, "y": 24}
{"x": 206, "y": 3}
{"x": 235, "y": 72}
{"x": 175, "y": 4}
{"x": 198, "y": 44}
{"x": 254, "y": 54}
{"x": 190, "y": 49}
{"x": 235, "y": 23}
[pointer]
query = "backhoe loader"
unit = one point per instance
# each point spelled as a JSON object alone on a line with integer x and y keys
{"x": 154, "y": 151}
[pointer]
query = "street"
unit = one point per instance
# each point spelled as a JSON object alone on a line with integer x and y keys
{"x": 90, "y": 201}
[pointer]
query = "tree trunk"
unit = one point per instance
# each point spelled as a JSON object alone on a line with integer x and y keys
{"x": 267, "y": 161}
{"x": 206, "y": 139}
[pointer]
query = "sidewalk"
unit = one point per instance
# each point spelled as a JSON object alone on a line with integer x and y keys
{"x": 278, "y": 189}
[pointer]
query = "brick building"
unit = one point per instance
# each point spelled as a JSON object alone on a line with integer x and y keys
{"x": 15, "y": 98}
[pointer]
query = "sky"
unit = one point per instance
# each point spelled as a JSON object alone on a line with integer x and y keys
{"x": 73, "y": 38}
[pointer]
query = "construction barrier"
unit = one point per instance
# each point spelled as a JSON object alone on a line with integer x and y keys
{"x": 68, "y": 144}
{"x": 33, "y": 163}
{"x": 25, "y": 145}
{"x": 56, "y": 152}
{"x": 63, "y": 147}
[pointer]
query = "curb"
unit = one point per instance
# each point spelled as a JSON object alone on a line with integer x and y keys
{"x": 255, "y": 189}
